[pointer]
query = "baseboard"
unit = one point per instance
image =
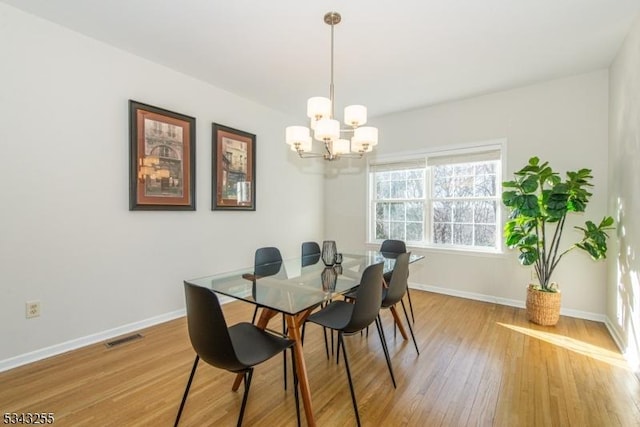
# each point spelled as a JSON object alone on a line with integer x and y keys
{"x": 613, "y": 331}
{"x": 632, "y": 359}
{"x": 74, "y": 344}
{"x": 54, "y": 350}
{"x": 504, "y": 301}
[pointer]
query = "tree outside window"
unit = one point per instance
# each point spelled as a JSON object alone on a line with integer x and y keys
{"x": 448, "y": 200}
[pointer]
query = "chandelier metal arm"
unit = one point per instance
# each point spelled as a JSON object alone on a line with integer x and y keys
{"x": 309, "y": 154}
{"x": 351, "y": 156}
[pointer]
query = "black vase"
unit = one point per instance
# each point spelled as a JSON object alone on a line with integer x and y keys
{"x": 329, "y": 252}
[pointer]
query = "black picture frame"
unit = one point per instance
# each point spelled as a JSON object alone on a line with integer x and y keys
{"x": 162, "y": 159}
{"x": 233, "y": 173}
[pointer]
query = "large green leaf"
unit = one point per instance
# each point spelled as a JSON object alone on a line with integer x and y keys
{"x": 530, "y": 240}
{"x": 513, "y": 239}
{"x": 510, "y": 198}
{"x": 530, "y": 184}
{"x": 561, "y": 187}
{"x": 554, "y": 180}
{"x": 528, "y": 256}
{"x": 594, "y": 240}
{"x": 606, "y": 222}
{"x": 528, "y": 205}
{"x": 557, "y": 204}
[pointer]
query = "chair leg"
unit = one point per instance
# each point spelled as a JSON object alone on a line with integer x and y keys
{"x": 331, "y": 332}
{"x": 385, "y": 349}
{"x": 186, "y": 390}
{"x": 346, "y": 364}
{"x": 410, "y": 306}
{"x": 295, "y": 385}
{"x": 326, "y": 343}
{"x": 284, "y": 353}
{"x": 406, "y": 316}
{"x": 247, "y": 383}
{"x": 255, "y": 313}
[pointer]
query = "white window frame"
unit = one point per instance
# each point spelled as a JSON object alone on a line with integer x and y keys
{"x": 434, "y": 152}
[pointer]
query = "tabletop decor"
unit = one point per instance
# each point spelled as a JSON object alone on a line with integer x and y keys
{"x": 538, "y": 201}
{"x": 233, "y": 170}
{"x": 162, "y": 149}
{"x": 329, "y": 276}
{"x": 329, "y": 252}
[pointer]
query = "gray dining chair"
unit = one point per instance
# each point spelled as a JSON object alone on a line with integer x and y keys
{"x": 348, "y": 319}
{"x": 267, "y": 261}
{"x": 310, "y": 253}
{"x": 237, "y": 349}
{"x": 391, "y": 248}
{"x": 394, "y": 293}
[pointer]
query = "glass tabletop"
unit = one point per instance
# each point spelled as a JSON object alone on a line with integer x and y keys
{"x": 297, "y": 284}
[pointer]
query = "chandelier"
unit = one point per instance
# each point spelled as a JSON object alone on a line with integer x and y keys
{"x": 328, "y": 130}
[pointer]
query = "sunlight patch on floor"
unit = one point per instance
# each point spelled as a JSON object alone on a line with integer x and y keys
{"x": 598, "y": 353}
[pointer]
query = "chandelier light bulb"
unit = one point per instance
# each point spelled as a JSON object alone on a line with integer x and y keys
{"x": 341, "y": 146}
{"x": 366, "y": 134}
{"x": 319, "y": 107}
{"x": 298, "y": 138}
{"x": 361, "y": 147}
{"x": 355, "y": 115}
{"x": 327, "y": 130}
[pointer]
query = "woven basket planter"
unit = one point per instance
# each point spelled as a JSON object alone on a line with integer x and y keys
{"x": 543, "y": 308}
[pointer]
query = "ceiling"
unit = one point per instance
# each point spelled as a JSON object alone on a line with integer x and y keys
{"x": 389, "y": 56}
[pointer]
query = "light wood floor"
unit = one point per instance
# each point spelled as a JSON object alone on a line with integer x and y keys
{"x": 480, "y": 365}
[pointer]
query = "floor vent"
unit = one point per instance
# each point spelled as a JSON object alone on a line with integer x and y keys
{"x": 123, "y": 340}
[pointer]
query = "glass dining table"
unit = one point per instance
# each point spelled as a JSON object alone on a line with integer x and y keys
{"x": 295, "y": 287}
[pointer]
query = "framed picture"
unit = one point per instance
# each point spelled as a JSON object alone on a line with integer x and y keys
{"x": 234, "y": 169}
{"x": 162, "y": 159}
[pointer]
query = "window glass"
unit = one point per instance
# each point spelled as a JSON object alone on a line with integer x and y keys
{"x": 445, "y": 202}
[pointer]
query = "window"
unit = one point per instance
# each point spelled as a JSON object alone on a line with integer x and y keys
{"x": 443, "y": 199}
{"x": 399, "y": 201}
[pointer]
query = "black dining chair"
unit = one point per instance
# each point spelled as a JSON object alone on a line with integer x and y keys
{"x": 348, "y": 319}
{"x": 267, "y": 261}
{"x": 391, "y": 248}
{"x": 394, "y": 292}
{"x": 236, "y": 349}
{"x": 310, "y": 253}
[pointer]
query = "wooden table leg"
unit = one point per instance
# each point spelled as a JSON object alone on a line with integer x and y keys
{"x": 294, "y": 323}
{"x": 265, "y": 315}
{"x": 396, "y": 319}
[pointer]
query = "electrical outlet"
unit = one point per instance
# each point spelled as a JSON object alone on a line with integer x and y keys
{"x": 32, "y": 309}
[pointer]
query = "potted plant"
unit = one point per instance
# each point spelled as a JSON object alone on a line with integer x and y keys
{"x": 538, "y": 201}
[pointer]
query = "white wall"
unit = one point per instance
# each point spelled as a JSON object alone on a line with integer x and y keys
{"x": 67, "y": 237}
{"x": 562, "y": 121}
{"x": 623, "y": 288}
